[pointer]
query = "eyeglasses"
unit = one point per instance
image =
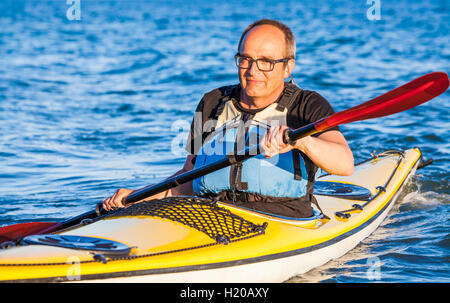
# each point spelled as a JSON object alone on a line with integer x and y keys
{"x": 264, "y": 65}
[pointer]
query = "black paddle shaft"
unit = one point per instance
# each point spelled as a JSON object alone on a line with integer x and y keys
{"x": 169, "y": 183}
{"x": 227, "y": 160}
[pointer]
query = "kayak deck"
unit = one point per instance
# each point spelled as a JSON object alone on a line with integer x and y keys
{"x": 274, "y": 248}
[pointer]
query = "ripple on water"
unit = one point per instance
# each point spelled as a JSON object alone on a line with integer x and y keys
{"x": 90, "y": 106}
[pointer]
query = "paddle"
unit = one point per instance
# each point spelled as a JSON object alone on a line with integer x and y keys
{"x": 402, "y": 98}
{"x": 11, "y": 232}
{"x": 20, "y": 230}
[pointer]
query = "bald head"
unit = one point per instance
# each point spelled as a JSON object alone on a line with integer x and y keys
{"x": 275, "y": 31}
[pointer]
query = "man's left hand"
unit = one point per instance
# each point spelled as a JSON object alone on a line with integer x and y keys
{"x": 273, "y": 141}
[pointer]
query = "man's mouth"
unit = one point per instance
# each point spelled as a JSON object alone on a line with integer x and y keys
{"x": 253, "y": 81}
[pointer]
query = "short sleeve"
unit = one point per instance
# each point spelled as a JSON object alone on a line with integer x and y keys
{"x": 312, "y": 108}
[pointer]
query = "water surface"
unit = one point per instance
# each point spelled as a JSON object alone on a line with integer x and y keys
{"x": 92, "y": 105}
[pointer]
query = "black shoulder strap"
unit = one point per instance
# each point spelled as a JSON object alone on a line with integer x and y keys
{"x": 236, "y": 183}
{"x": 227, "y": 92}
{"x": 289, "y": 95}
{"x": 311, "y": 170}
{"x": 297, "y": 166}
{"x": 225, "y": 95}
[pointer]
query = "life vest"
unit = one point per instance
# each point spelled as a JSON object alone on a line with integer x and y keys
{"x": 284, "y": 175}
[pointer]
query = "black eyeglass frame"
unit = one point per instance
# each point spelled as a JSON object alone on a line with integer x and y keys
{"x": 273, "y": 62}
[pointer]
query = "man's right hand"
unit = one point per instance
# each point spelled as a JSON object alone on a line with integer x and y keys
{"x": 116, "y": 200}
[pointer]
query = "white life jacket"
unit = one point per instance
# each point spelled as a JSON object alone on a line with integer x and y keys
{"x": 284, "y": 175}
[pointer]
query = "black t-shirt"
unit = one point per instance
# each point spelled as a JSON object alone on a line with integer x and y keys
{"x": 308, "y": 108}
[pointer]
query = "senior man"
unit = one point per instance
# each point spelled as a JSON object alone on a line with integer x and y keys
{"x": 280, "y": 185}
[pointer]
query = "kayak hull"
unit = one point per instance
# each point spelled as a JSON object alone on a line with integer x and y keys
{"x": 168, "y": 251}
{"x": 282, "y": 267}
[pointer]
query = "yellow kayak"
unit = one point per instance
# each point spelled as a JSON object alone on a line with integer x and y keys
{"x": 190, "y": 239}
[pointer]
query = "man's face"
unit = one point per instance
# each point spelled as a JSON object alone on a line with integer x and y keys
{"x": 264, "y": 41}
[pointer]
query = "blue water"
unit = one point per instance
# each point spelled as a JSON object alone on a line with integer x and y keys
{"x": 91, "y": 105}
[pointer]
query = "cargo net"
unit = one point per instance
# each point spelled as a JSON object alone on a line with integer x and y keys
{"x": 202, "y": 214}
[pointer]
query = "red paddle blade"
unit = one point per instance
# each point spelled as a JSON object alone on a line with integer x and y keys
{"x": 402, "y": 98}
{"x": 11, "y": 232}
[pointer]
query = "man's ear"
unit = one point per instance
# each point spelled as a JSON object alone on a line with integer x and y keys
{"x": 289, "y": 68}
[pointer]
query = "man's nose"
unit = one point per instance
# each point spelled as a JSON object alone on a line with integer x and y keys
{"x": 253, "y": 69}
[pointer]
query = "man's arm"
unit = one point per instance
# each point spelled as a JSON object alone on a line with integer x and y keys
{"x": 185, "y": 189}
{"x": 329, "y": 150}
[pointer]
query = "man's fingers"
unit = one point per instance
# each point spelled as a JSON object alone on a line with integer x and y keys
{"x": 280, "y": 138}
{"x": 109, "y": 203}
{"x": 105, "y": 204}
{"x": 113, "y": 202}
{"x": 266, "y": 146}
{"x": 269, "y": 142}
{"x": 276, "y": 138}
{"x": 273, "y": 141}
{"x": 268, "y": 137}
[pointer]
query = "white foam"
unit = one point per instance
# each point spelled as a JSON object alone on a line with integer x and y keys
{"x": 429, "y": 198}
